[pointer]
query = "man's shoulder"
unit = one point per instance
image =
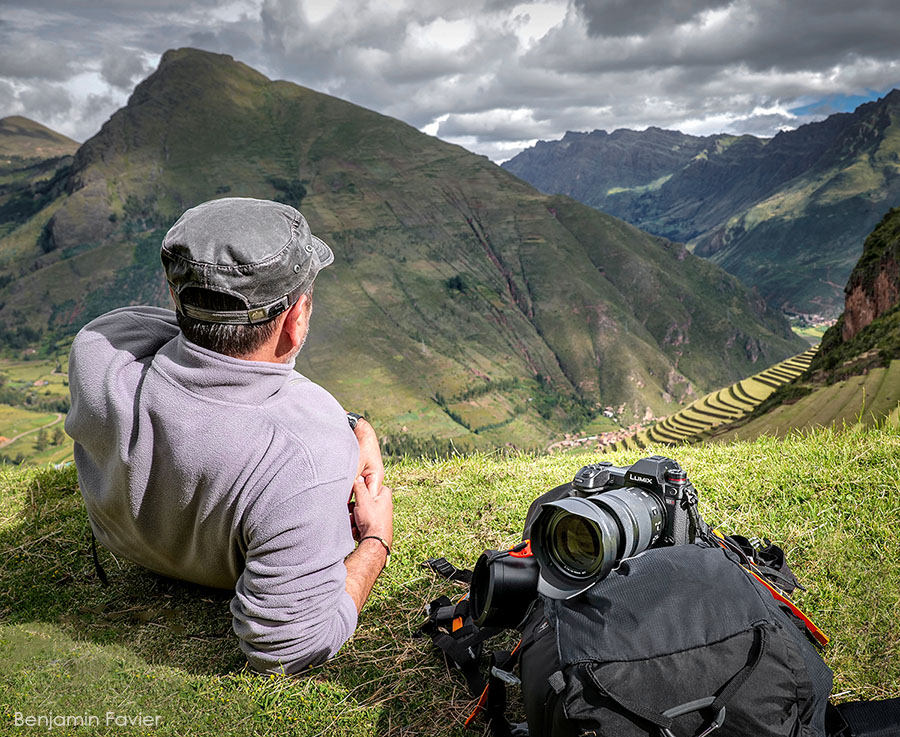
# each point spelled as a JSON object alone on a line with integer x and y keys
{"x": 126, "y": 325}
{"x": 315, "y": 421}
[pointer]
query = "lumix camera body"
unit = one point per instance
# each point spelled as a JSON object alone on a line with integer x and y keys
{"x": 580, "y": 531}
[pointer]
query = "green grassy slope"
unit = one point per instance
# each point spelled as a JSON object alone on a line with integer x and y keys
{"x": 24, "y": 138}
{"x": 869, "y": 399}
{"x": 150, "y": 646}
{"x": 463, "y": 304}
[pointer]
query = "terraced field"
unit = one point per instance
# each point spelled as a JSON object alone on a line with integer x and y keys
{"x": 721, "y": 408}
{"x": 870, "y": 399}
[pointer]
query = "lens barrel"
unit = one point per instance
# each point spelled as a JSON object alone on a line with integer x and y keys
{"x": 503, "y": 587}
{"x": 578, "y": 540}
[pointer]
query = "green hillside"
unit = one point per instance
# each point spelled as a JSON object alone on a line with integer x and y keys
{"x": 34, "y": 164}
{"x": 26, "y": 139}
{"x": 869, "y": 399}
{"x": 786, "y": 214}
{"x": 152, "y": 646}
{"x": 465, "y": 309}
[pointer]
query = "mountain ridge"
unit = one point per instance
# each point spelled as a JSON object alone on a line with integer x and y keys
{"x": 476, "y": 307}
{"x": 764, "y": 209}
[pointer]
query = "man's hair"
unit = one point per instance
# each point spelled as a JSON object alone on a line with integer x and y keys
{"x": 230, "y": 340}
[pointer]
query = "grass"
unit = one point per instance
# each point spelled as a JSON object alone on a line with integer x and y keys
{"x": 154, "y": 647}
{"x": 811, "y": 333}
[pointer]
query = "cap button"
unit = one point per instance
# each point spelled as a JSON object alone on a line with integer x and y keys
{"x": 296, "y": 268}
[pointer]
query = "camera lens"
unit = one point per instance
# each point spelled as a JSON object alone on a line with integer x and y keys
{"x": 578, "y": 540}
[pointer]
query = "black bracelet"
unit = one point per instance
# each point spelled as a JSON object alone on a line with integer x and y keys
{"x": 386, "y": 546}
{"x": 353, "y": 418}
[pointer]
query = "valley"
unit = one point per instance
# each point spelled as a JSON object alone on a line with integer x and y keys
{"x": 465, "y": 310}
{"x": 787, "y": 215}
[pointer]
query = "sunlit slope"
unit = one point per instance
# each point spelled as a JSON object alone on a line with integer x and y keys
{"x": 870, "y": 399}
{"x": 26, "y": 139}
{"x": 721, "y": 408}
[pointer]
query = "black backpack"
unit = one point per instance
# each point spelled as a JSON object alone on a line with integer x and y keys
{"x": 678, "y": 642}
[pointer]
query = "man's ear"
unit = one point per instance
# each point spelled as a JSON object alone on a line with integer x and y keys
{"x": 296, "y": 321}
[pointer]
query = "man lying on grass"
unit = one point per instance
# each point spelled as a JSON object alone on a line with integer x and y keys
{"x": 204, "y": 456}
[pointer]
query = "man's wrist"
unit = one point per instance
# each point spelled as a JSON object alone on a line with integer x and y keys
{"x": 380, "y": 540}
{"x": 353, "y": 418}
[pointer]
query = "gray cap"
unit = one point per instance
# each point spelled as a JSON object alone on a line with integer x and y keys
{"x": 259, "y": 251}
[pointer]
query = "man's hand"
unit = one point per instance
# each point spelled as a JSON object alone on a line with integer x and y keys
{"x": 373, "y": 514}
{"x": 371, "y": 467}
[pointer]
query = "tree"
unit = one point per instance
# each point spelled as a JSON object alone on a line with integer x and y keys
{"x": 41, "y": 442}
{"x": 58, "y": 436}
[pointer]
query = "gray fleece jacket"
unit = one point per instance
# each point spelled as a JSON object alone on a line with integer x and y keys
{"x": 220, "y": 471}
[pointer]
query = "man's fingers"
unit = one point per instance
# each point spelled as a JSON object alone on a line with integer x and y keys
{"x": 374, "y": 481}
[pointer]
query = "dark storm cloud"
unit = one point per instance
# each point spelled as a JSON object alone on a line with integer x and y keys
{"x": 762, "y": 35}
{"x": 630, "y": 17}
{"x": 490, "y": 74}
{"x": 120, "y": 70}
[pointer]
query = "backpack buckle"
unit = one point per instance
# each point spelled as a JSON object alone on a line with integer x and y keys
{"x": 715, "y": 724}
{"x": 677, "y": 711}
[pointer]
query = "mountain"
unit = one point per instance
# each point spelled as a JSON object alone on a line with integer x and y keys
{"x": 786, "y": 215}
{"x": 34, "y": 163}
{"x": 855, "y": 376}
{"x": 462, "y": 303}
{"x": 26, "y": 139}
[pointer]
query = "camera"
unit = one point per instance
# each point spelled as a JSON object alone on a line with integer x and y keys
{"x": 577, "y": 533}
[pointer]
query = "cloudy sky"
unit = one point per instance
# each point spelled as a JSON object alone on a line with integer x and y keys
{"x": 491, "y": 75}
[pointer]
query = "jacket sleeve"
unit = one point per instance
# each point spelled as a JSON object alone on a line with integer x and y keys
{"x": 290, "y": 608}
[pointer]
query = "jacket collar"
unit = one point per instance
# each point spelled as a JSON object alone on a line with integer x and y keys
{"x": 222, "y": 378}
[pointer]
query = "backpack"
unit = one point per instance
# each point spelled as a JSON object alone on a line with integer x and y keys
{"x": 680, "y": 641}
{"x": 677, "y": 642}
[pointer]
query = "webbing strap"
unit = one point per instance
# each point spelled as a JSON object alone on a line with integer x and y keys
{"x": 463, "y": 658}
{"x": 445, "y": 568}
{"x": 101, "y": 574}
{"x": 760, "y": 643}
{"x": 502, "y": 662}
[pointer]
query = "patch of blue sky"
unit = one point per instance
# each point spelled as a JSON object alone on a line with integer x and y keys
{"x": 837, "y": 103}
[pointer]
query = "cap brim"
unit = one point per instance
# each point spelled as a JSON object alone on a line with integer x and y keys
{"x": 324, "y": 253}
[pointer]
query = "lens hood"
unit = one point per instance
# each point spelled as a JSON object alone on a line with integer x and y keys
{"x": 615, "y": 524}
{"x": 503, "y": 587}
